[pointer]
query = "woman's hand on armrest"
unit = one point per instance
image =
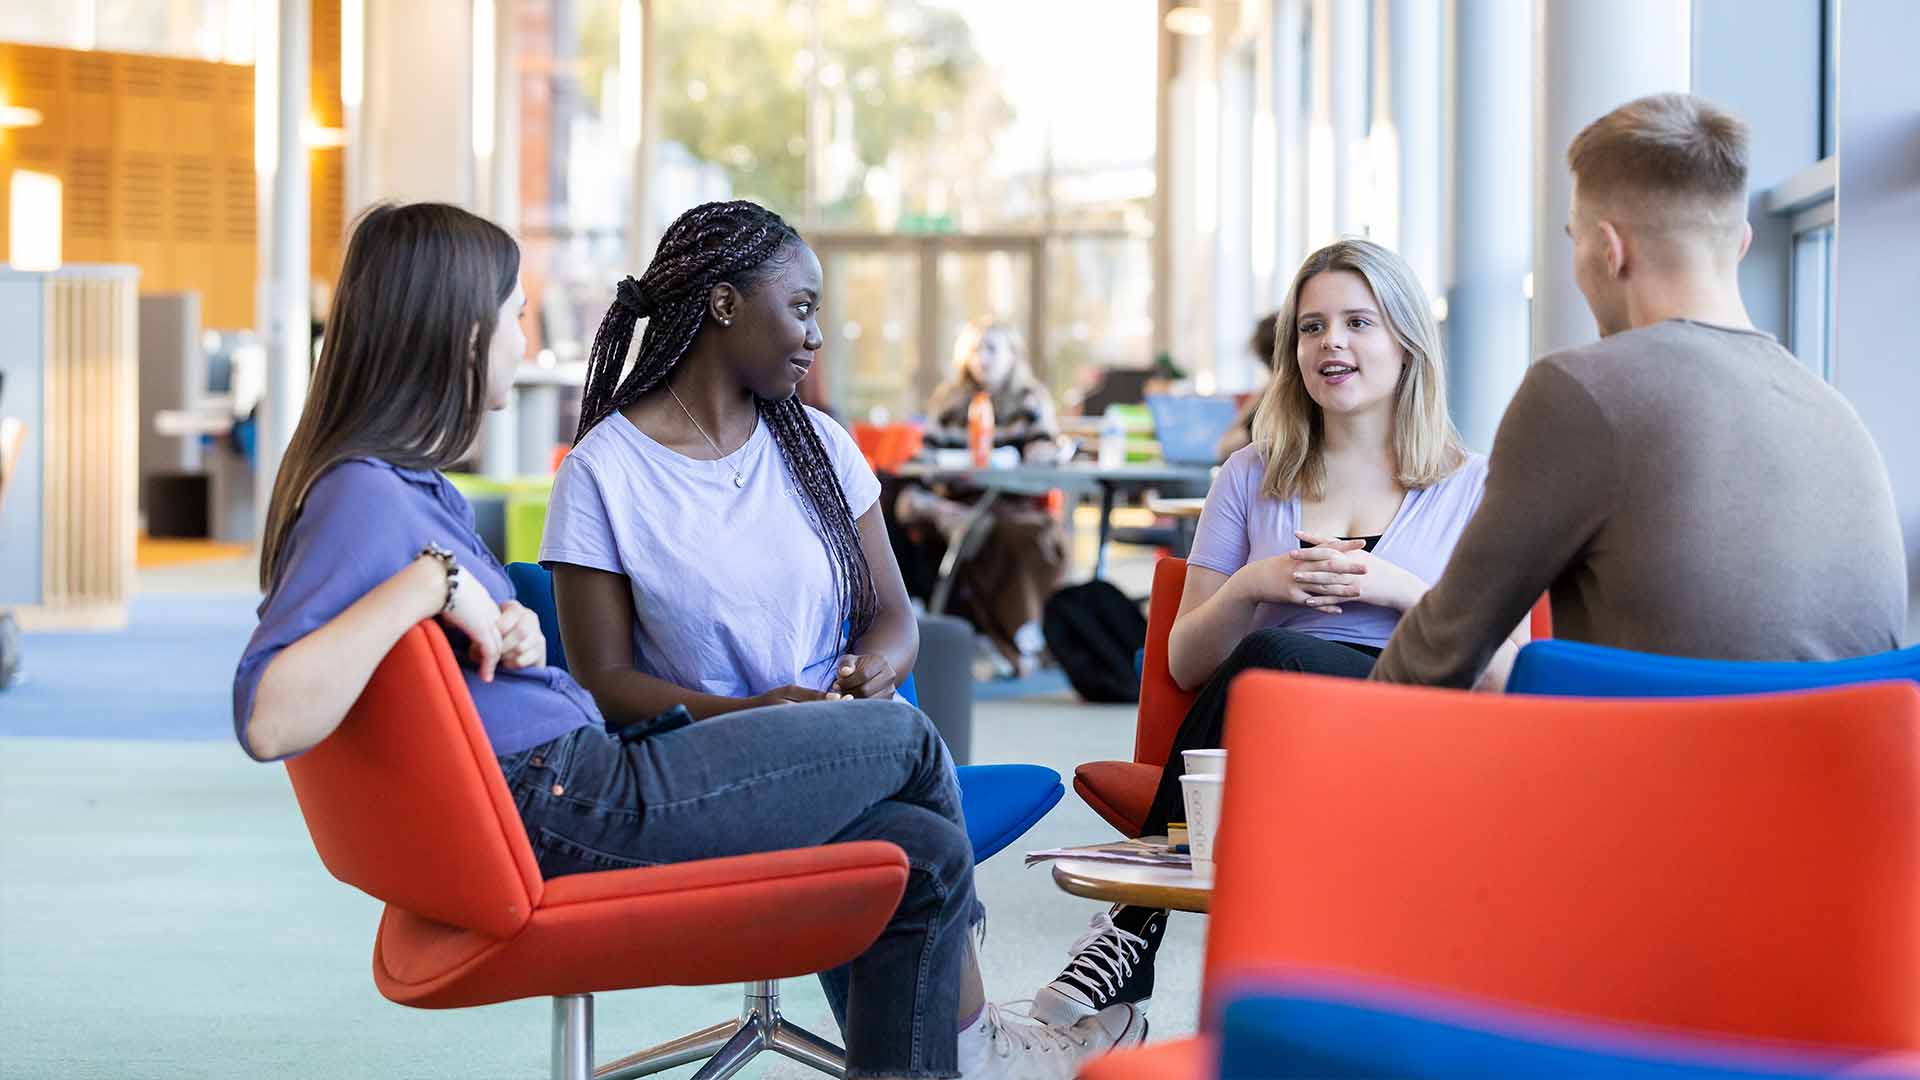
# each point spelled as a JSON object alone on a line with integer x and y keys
{"x": 308, "y": 686}
{"x": 477, "y": 616}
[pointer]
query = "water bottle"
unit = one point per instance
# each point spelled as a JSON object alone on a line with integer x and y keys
{"x": 1113, "y": 440}
{"x": 980, "y": 429}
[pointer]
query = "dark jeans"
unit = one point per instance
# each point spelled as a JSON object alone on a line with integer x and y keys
{"x": 790, "y": 776}
{"x": 1206, "y": 723}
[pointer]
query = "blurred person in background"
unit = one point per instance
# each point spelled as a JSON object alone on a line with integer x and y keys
{"x": 1002, "y": 587}
{"x": 988, "y": 357}
{"x": 1261, "y": 344}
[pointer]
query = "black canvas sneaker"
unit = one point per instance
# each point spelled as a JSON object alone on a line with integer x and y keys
{"x": 1112, "y": 964}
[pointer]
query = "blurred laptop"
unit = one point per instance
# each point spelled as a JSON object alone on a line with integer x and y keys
{"x": 1189, "y": 426}
{"x": 1118, "y": 386}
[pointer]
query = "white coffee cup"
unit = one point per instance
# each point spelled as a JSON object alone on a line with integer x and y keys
{"x": 1203, "y": 794}
{"x": 1205, "y": 762}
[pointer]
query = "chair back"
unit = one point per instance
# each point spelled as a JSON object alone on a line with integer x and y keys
{"x": 1577, "y": 669}
{"x": 1744, "y": 866}
{"x": 1163, "y": 705}
{"x": 405, "y": 802}
{"x": 533, "y": 587}
{"x": 1540, "y": 620}
{"x": 887, "y": 446}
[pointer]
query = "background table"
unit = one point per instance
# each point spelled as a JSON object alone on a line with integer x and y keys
{"x": 1038, "y": 480}
{"x": 1186, "y": 519}
{"x": 1178, "y": 508}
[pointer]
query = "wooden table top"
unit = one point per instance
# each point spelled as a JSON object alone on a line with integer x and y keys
{"x": 1147, "y": 886}
{"x": 1178, "y": 508}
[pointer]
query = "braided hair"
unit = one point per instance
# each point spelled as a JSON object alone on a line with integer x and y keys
{"x": 738, "y": 243}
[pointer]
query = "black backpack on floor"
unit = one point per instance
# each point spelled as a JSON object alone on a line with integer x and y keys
{"x": 1094, "y": 632}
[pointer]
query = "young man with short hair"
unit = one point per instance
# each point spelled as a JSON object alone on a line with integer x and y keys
{"x": 1683, "y": 485}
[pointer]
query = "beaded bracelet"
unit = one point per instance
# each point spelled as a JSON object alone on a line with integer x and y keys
{"x": 453, "y": 572}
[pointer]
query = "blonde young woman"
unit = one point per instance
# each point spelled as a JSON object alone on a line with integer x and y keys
{"x": 1003, "y": 587}
{"x": 1315, "y": 539}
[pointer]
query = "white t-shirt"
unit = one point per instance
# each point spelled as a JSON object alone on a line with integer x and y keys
{"x": 733, "y": 589}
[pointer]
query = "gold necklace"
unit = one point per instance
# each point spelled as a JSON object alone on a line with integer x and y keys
{"x": 719, "y": 455}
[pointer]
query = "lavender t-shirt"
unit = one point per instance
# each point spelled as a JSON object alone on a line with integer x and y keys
{"x": 733, "y": 590}
{"x": 1240, "y": 526}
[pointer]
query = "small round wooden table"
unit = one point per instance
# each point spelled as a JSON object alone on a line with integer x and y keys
{"x": 1176, "y": 508}
{"x": 1147, "y": 886}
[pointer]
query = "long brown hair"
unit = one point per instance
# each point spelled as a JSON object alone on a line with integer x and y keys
{"x": 1288, "y": 426}
{"x": 402, "y": 369}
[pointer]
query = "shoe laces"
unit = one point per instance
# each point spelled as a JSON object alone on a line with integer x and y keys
{"x": 1004, "y": 1031}
{"x": 1104, "y": 956}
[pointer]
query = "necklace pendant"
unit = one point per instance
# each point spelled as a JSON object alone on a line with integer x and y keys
{"x": 739, "y": 481}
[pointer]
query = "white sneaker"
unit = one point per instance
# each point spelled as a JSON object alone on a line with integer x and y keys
{"x": 1029, "y": 639}
{"x": 1003, "y": 1047}
{"x": 989, "y": 663}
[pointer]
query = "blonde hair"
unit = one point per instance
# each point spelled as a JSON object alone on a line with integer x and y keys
{"x": 1676, "y": 158}
{"x": 973, "y": 332}
{"x": 1288, "y": 426}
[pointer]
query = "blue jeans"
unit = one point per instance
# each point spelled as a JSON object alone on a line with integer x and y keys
{"x": 790, "y": 776}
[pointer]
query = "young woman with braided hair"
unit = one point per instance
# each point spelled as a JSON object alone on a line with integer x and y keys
{"x": 717, "y": 545}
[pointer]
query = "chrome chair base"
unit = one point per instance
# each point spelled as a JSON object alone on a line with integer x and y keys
{"x": 573, "y": 1037}
{"x": 727, "y": 1047}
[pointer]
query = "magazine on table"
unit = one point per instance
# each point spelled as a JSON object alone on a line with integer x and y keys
{"x": 1146, "y": 851}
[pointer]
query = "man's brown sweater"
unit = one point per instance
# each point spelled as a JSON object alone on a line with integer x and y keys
{"x": 1682, "y": 488}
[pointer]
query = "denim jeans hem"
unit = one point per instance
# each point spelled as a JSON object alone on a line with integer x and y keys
{"x": 914, "y": 1074}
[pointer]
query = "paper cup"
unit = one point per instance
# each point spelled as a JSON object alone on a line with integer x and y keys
{"x": 1205, "y": 762}
{"x": 1203, "y": 792}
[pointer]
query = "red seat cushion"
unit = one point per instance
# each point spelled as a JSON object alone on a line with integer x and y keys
{"x": 1192, "y": 1058}
{"x": 769, "y": 916}
{"x": 1119, "y": 791}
